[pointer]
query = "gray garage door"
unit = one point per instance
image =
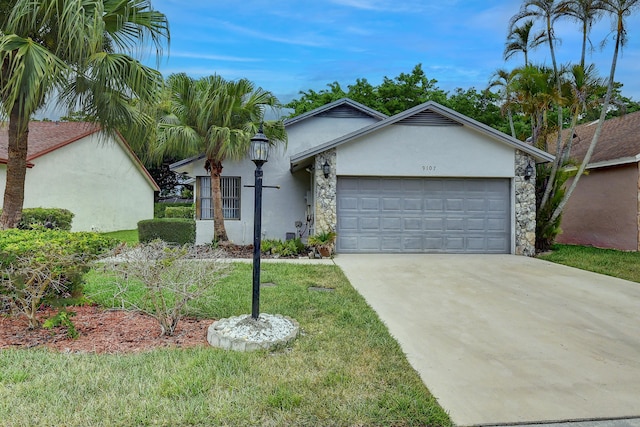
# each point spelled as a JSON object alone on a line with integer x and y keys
{"x": 423, "y": 215}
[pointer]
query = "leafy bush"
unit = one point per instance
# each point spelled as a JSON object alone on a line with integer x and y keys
{"x": 171, "y": 276}
{"x": 172, "y": 230}
{"x": 58, "y": 219}
{"x": 63, "y": 254}
{"x": 180, "y": 212}
{"x": 160, "y": 208}
{"x": 290, "y": 247}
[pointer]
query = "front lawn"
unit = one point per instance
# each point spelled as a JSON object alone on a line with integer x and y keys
{"x": 129, "y": 237}
{"x": 625, "y": 265}
{"x": 344, "y": 370}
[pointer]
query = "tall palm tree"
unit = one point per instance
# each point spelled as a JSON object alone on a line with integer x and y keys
{"x": 520, "y": 39}
{"x": 218, "y": 118}
{"x": 80, "y": 49}
{"x": 586, "y": 12}
{"x": 619, "y": 10}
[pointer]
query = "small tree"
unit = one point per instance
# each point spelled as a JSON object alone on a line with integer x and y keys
{"x": 171, "y": 276}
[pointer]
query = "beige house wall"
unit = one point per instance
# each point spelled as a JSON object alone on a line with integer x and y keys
{"x": 94, "y": 178}
{"x": 603, "y": 210}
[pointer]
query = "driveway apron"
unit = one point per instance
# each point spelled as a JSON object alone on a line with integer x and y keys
{"x": 508, "y": 339}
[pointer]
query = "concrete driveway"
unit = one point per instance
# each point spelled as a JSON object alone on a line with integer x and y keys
{"x": 508, "y": 339}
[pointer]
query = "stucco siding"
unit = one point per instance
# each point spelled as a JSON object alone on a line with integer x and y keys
{"x": 415, "y": 151}
{"x": 96, "y": 180}
{"x": 603, "y": 210}
{"x": 315, "y": 131}
{"x": 281, "y": 208}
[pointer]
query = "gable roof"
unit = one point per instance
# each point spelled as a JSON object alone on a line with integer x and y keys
{"x": 619, "y": 142}
{"x": 343, "y": 107}
{"x": 431, "y": 114}
{"x": 45, "y": 137}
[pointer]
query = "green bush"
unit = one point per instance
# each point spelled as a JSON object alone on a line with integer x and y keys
{"x": 58, "y": 219}
{"x": 188, "y": 212}
{"x": 171, "y": 230}
{"x": 290, "y": 247}
{"x": 160, "y": 208}
{"x": 37, "y": 265}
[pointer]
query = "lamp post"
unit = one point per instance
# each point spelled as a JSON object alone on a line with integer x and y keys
{"x": 258, "y": 153}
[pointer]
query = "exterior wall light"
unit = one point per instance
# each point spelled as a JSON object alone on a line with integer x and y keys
{"x": 326, "y": 169}
{"x": 528, "y": 172}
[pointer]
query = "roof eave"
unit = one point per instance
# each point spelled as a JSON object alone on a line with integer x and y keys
{"x": 343, "y": 101}
{"x": 299, "y": 159}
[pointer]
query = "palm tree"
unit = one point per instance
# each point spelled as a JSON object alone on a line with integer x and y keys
{"x": 619, "y": 10}
{"x": 218, "y": 118}
{"x": 501, "y": 78}
{"x": 586, "y": 12}
{"x": 520, "y": 40}
{"x": 535, "y": 90}
{"x": 73, "y": 48}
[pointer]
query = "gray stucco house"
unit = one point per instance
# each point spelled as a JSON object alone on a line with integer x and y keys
{"x": 427, "y": 180}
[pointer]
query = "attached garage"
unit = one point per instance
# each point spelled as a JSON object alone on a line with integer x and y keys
{"x": 427, "y": 180}
{"x": 423, "y": 215}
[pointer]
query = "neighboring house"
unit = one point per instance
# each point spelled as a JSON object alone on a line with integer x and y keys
{"x": 604, "y": 210}
{"x": 425, "y": 180}
{"x": 75, "y": 166}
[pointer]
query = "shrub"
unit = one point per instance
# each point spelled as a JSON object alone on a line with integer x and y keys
{"x": 54, "y": 251}
{"x": 160, "y": 208}
{"x": 290, "y": 247}
{"x": 171, "y": 276}
{"x": 172, "y": 230}
{"x": 180, "y": 212}
{"x": 57, "y": 219}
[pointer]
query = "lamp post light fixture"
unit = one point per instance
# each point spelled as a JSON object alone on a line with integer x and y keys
{"x": 326, "y": 169}
{"x": 258, "y": 153}
{"x": 528, "y": 172}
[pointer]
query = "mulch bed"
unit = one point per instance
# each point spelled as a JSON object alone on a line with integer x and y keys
{"x": 101, "y": 331}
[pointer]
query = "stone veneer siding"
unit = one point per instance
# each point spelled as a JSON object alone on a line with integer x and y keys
{"x": 326, "y": 218}
{"x": 525, "y": 206}
{"x": 525, "y": 203}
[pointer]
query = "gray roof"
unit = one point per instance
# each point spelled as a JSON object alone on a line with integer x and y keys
{"x": 420, "y": 113}
{"x": 343, "y": 102}
{"x": 184, "y": 162}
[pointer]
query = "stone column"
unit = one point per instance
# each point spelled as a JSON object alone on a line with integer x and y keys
{"x": 325, "y": 192}
{"x": 525, "y": 206}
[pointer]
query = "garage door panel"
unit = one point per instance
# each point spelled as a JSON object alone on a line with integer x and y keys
{"x": 392, "y": 204}
{"x": 370, "y": 204}
{"x": 436, "y": 215}
{"x": 368, "y": 224}
{"x": 392, "y": 224}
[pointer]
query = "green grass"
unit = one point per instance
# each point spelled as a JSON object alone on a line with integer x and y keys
{"x": 129, "y": 237}
{"x": 344, "y": 370}
{"x": 625, "y": 265}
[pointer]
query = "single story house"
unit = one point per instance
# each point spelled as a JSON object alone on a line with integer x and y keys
{"x": 427, "y": 180}
{"x": 604, "y": 210}
{"x": 75, "y": 166}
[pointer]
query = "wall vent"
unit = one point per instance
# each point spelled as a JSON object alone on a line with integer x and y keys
{"x": 344, "y": 112}
{"x": 428, "y": 118}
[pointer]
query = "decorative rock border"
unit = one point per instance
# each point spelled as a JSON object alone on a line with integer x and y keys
{"x": 243, "y": 333}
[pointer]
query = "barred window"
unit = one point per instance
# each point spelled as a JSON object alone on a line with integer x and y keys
{"x": 230, "y": 189}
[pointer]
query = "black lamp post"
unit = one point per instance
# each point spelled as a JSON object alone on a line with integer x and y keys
{"x": 258, "y": 153}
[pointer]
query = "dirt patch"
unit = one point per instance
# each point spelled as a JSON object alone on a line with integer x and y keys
{"x": 102, "y": 331}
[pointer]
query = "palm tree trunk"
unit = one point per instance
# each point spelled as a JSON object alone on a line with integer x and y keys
{"x": 596, "y": 135}
{"x": 16, "y": 170}
{"x": 219, "y": 231}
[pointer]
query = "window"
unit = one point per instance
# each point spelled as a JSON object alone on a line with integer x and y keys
{"x": 230, "y": 188}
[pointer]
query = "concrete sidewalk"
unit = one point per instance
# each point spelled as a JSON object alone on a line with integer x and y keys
{"x": 501, "y": 339}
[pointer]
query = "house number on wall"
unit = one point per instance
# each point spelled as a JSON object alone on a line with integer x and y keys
{"x": 428, "y": 168}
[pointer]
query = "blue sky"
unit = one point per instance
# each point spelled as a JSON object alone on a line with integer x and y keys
{"x": 286, "y": 46}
